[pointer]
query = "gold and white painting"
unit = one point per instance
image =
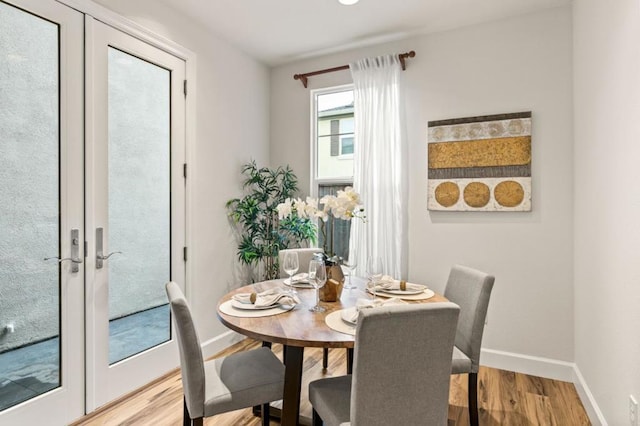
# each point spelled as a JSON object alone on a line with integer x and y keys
{"x": 480, "y": 163}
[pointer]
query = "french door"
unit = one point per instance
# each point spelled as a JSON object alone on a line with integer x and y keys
{"x": 135, "y": 202}
{"x": 92, "y": 211}
{"x": 41, "y": 213}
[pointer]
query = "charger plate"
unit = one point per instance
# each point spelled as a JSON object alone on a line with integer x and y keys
{"x": 227, "y": 308}
{"x": 335, "y": 322}
{"x": 426, "y": 294}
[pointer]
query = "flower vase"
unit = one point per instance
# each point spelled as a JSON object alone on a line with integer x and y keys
{"x": 332, "y": 290}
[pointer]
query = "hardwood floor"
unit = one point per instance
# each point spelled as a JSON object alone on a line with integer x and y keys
{"x": 505, "y": 398}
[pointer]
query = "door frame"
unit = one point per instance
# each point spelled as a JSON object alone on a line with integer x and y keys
{"x": 100, "y": 13}
{"x": 106, "y": 16}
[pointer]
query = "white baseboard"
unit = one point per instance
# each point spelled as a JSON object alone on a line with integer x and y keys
{"x": 220, "y": 342}
{"x": 550, "y": 369}
{"x": 589, "y": 402}
{"x": 526, "y": 364}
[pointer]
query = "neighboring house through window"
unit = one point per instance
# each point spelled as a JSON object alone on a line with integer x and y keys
{"x": 333, "y": 147}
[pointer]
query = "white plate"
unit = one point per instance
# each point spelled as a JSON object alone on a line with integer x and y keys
{"x": 347, "y": 313}
{"x": 299, "y": 280}
{"x": 251, "y": 306}
{"x": 411, "y": 289}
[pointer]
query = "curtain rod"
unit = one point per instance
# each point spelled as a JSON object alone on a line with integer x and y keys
{"x": 304, "y": 77}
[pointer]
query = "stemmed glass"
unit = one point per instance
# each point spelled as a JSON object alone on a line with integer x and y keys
{"x": 290, "y": 264}
{"x": 374, "y": 273}
{"x": 350, "y": 264}
{"x": 317, "y": 278}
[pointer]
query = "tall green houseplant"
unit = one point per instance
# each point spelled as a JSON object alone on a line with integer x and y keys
{"x": 262, "y": 235}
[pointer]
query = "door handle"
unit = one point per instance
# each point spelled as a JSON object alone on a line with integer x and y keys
{"x": 75, "y": 252}
{"x": 100, "y": 257}
{"x": 62, "y": 260}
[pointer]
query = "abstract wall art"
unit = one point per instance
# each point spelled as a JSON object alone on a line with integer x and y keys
{"x": 480, "y": 163}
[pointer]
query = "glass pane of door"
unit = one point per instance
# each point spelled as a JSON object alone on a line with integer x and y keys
{"x": 139, "y": 204}
{"x": 30, "y": 208}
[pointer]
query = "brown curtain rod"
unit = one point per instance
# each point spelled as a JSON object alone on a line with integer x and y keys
{"x": 304, "y": 77}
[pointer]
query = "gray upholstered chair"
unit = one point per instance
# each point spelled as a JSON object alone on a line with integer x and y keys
{"x": 470, "y": 289}
{"x": 401, "y": 370}
{"x": 224, "y": 384}
{"x": 304, "y": 257}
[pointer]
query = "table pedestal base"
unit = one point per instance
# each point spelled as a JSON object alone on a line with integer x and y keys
{"x": 293, "y": 357}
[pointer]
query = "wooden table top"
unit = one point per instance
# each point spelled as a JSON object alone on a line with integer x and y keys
{"x": 300, "y": 327}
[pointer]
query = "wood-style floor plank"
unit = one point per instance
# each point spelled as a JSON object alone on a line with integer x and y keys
{"x": 505, "y": 398}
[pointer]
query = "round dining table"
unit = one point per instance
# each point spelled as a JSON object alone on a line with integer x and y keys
{"x": 297, "y": 329}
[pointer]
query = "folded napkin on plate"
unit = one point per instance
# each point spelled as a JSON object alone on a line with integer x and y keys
{"x": 352, "y": 315}
{"x": 268, "y": 298}
{"x": 388, "y": 283}
{"x": 302, "y": 277}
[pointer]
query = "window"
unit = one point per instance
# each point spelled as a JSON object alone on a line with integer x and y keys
{"x": 333, "y": 147}
{"x": 346, "y": 145}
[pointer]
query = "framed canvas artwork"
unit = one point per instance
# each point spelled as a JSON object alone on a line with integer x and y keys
{"x": 480, "y": 163}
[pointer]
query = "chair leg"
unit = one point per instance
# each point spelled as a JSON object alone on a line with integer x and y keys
{"x": 257, "y": 408}
{"x": 325, "y": 358}
{"x": 315, "y": 419}
{"x": 186, "y": 419}
{"x": 198, "y": 422}
{"x": 265, "y": 414}
{"x": 473, "y": 399}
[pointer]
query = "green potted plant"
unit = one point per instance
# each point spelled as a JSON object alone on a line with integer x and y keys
{"x": 255, "y": 215}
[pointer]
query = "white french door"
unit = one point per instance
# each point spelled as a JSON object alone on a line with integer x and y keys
{"x": 92, "y": 211}
{"x": 41, "y": 213}
{"x": 135, "y": 209}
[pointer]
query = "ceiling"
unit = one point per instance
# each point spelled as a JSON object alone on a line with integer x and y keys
{"x": 281, "y": 31}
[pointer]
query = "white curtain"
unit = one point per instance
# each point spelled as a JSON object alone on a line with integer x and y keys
{"x": 380, "y": 165}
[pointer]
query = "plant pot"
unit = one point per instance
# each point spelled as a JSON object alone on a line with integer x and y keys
{"x": 332, "y": 289}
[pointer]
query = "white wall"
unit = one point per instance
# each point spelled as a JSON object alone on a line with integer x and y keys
{"x": 520, "y": 64}
{"x": 232, "y": 127}
{"x": 607, "y": 201}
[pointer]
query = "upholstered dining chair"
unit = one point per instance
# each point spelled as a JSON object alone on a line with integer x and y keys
{"x": 304, "y": 257}
{"x": 224, "y": 384}
{"x": 470, "y": 289}
{"x": 401, "y": 370}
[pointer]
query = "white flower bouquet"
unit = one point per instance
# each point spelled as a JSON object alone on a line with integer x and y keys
{"x": 345, "y": 205}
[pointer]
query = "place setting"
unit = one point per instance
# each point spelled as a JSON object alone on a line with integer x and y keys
{"x": 300, "y": 280}
{"x": 266, "y": 303}
{"x": 386, "y": 286}
{"x": 290, "y": 265}
{"x": 346, "y": 320}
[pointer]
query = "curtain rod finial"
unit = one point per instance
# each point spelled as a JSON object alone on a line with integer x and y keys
{"x": 302, "y": 78}
{"x": 403, "y": 56}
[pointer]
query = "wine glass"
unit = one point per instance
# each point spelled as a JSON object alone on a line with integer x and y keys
{"x": 290, "y": 264}
{"x": 350, "y": 264}
{"x": 374, "y": 273}
{"x": 317, "y": 278}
